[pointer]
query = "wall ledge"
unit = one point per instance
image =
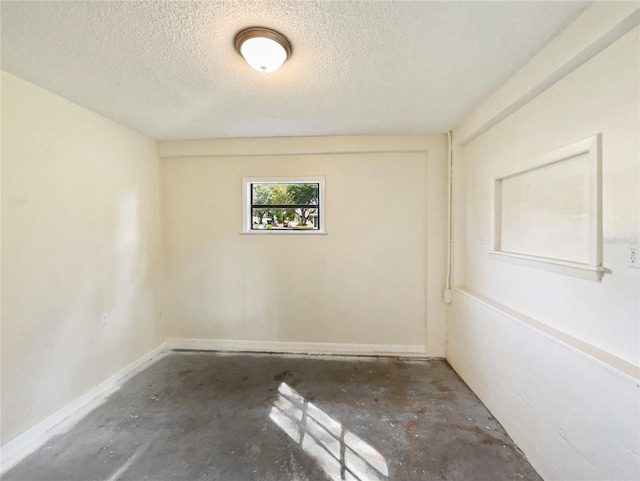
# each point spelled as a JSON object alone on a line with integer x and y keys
{"x": 613, "y": 363}
{"x": 575, "y": 269}
{"x": 574, "y": 416}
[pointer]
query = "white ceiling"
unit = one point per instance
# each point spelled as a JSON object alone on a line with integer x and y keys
{"x": 168, "y": 68}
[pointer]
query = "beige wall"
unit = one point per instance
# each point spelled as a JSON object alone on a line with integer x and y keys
{"x": 79, "y": 238}
{"x": 376, "y": 278}
{"x": 531, "y": 343}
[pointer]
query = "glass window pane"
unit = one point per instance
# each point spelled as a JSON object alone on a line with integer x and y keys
{"x": 282, "y": 205}
{"x": 285, "y": 194}
{"x": 295, "y": 218}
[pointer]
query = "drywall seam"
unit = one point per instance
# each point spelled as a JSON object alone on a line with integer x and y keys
{"x": 405, "y": 350}
{"x": 292, "y": 154}
{"x": 571, "y": 63}
{"x": 29, "y": 441}
{"x": 271, "y": 146}
{"x": 613, "y": 363}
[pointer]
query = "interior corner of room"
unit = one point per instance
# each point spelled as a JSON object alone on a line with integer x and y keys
{"x": 505, "y": 243}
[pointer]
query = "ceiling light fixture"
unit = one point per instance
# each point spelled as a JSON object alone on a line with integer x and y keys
{"x": 264, "y": 49}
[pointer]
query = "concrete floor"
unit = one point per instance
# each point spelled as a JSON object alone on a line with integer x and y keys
{"x": 230, "y": 417}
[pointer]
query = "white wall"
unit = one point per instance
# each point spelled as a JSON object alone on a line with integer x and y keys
{"x": 574, "y": 416}
{"x": 373, "y": 283}
{"x": 528, "y": 375}
{"x": 80, "y": 237}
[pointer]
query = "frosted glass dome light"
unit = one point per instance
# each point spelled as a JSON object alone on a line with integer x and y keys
{"x": 264, "y": 50}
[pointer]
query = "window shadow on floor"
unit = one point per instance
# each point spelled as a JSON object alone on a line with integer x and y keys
{"x": 341, "y": 454}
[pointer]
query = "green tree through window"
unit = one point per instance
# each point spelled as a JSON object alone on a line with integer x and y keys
{"x": 285, "y": 206}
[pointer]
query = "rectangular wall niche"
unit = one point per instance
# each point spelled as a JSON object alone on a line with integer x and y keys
{"x": 547, "y": 213}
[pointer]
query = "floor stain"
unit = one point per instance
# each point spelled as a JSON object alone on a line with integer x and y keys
{"x": 208, "y": 416}
{"x": 288, "y": 376}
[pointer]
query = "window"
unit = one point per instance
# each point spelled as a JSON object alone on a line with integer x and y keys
{"x": 283, "y": 205}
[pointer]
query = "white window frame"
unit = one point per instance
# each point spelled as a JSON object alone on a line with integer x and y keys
{"x": 246, "y": 204}
{"x": 593, "y": 269}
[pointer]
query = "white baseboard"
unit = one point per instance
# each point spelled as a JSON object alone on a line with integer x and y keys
{"x": 404, "y": 350}
{"x": 28, "y": 442}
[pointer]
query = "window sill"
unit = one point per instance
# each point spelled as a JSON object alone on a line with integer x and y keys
{"x": 575, "y": 269}
{"x": 283, "y": 232}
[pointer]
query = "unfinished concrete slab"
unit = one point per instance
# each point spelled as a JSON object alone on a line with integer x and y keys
{"x": 236, "y": 417}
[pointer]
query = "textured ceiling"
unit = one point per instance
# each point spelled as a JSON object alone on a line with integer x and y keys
{"x": 169, "y": 69}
